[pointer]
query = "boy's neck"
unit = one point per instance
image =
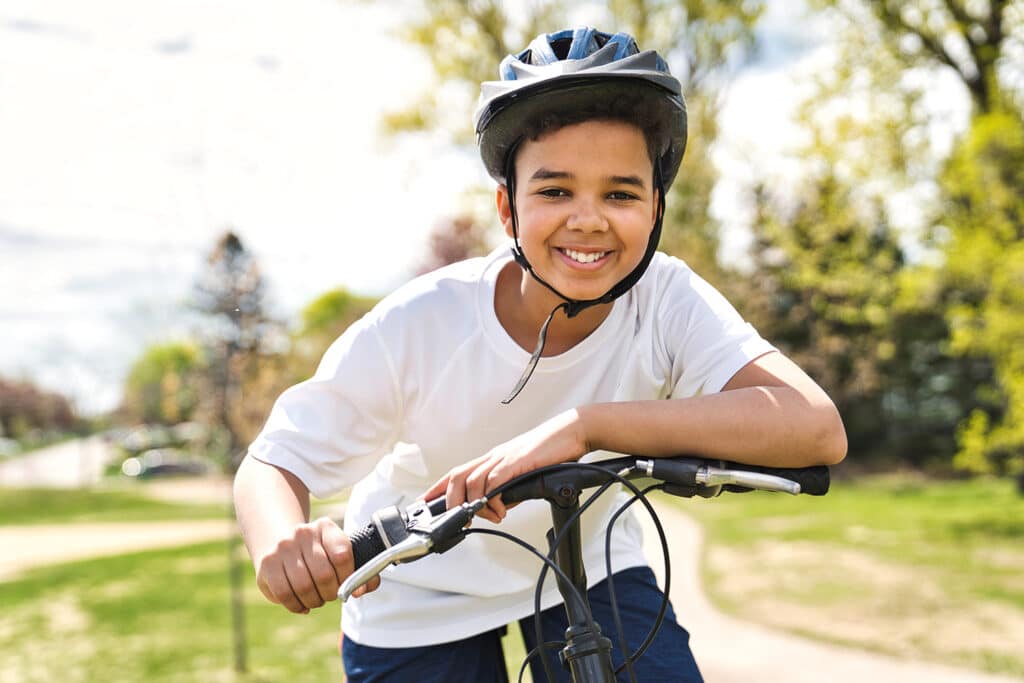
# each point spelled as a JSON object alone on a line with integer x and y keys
{"x": 522, "y": 305}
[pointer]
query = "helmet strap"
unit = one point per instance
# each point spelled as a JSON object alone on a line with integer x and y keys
{"x": 573, "y": 307}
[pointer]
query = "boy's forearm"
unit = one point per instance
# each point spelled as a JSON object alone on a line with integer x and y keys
{"x": 773, "y": 426}
{"x": 269, "y": 503}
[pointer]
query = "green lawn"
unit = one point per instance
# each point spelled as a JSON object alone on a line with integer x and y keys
{"x": 154, "y": 616}
{"x": 930, "y": 570}
{"x": 157, "y": 616}
{"x": 57, "y": 506}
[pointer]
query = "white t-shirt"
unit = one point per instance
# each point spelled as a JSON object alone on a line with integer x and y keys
{"x": 415, "y": 388}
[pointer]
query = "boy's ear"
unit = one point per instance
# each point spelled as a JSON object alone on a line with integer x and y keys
{"x": 504, "y": 209}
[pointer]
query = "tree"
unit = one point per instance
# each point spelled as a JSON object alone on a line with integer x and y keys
{"x": 163, "y": 385}
{"x": 984, "y": 274}
{"x": 321, "y": 322}
{"x": 977, "y": 41}
{"x": 823, "y": 287}
{"x": 453, "y": 240}
{"x": 241, "y": 342}
{"x": 26, "y": 408}
{"x": 230, "y": 292}
{"x": 871, "y": 121}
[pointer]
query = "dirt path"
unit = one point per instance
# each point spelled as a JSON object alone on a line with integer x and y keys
{"x": 37, "y": 545}
{"x": 732, "y": 651}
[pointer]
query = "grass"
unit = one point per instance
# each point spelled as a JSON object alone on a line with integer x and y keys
{"x": 58, "y": 506}
{"x": 158, "y": 616}
{"x": 154, "y": 616}
{"x": 929, "y": 570}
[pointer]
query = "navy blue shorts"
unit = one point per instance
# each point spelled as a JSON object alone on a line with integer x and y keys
{"x": 479, "y": 659}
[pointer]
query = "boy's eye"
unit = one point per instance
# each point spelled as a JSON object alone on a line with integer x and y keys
{"x": 554, "y": 192}
{"x": 622, "y": 196}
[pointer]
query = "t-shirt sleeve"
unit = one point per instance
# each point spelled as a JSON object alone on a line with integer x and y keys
{"x": 707, "y": 340}
{"x": 331, "y": 430}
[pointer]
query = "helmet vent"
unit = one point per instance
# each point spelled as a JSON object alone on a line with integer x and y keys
{"x": 561, "y": 48}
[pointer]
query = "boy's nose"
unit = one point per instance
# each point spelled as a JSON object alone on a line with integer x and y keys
{"x": 587, "y": 218}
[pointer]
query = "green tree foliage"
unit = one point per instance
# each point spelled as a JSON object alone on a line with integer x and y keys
{"x": 984, "y": 273}
{"x": 163, "y": 385}
{"x": 823, "y": 289}
{"x": 873, "y": 119}
{"x": 321, "y": 322}
{"x": 980, "y": 42}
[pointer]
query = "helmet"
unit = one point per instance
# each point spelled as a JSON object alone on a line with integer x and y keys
{"x": 565, "y": 72}
{"x": 562, "y": 71}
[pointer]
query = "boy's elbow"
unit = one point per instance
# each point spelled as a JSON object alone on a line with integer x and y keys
{"x": 832, "y": 443}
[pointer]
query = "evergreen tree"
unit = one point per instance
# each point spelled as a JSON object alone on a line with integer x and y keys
{"x": 242, "y": 344}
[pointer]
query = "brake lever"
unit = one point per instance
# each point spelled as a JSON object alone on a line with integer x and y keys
{"x": 716, "y": 476}
{"x": 425, "y": 534}
{"x": 414, "y": 546}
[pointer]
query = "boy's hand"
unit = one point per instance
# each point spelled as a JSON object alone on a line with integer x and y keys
{"x": 560, "y": 439}
{"x": 305, "y": 570}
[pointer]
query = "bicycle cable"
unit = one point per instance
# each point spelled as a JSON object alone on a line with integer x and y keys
{"x": 658, "y": 620}
{"x": 615, "y": 477}
{"x": 548, "y": 562}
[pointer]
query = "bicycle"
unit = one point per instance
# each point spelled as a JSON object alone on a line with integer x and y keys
{"x": 398, "y": 536}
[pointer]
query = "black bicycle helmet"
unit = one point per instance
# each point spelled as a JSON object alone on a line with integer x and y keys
{"x": 566, "y": 71}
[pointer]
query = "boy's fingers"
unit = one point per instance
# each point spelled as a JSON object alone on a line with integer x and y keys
{"x": 498, "y": 507}
{"x": 437, "y": 489}
{"x": 337, "y": 546}
{"x": 323, "y": 573}
{"x": 303, "y": 586}
{"x": 367, "y": 587}
{"x": 275, "y": 585}
{"x": 455, "y": 493}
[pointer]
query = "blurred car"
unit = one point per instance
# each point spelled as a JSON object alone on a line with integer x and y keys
{"x": 164, "y": 462}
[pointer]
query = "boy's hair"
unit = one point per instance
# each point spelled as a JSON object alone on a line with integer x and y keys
{"x": 642, "y": 114}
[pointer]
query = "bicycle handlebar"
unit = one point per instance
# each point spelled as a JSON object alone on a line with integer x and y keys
{"x": 397, "y": 535}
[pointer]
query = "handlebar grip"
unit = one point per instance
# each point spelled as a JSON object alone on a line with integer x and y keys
{"x": 366, "y": 545}
{"x": 814, "y": 481}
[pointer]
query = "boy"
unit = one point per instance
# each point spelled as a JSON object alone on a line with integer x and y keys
{"x": 584, "y": 134}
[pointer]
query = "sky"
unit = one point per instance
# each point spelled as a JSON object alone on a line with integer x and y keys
{"x": 132, "y": 134}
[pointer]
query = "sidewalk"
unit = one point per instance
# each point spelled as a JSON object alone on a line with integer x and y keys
{"x": 34, "y": 545}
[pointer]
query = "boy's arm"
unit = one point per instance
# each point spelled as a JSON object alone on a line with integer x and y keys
{"x": 299, "y": 565}
{"x": 769, "y": 413}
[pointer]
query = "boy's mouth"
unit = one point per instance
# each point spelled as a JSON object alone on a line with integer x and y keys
{"x": 584, "y": 257}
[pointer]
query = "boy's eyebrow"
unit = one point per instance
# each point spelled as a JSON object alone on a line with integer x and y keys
{"x": 547, "y": 174}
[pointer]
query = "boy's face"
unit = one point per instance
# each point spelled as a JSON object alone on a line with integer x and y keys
{"x": 586, "y": 205}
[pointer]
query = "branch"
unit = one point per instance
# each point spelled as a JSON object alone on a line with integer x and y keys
{"x": 976, "y": 84}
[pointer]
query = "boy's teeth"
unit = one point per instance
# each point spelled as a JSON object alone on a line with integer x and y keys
{"x": 581, "y": 257}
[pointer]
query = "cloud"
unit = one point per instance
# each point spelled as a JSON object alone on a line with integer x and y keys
{"x": 175, "y": 46}
{"x": 25, "y": 25}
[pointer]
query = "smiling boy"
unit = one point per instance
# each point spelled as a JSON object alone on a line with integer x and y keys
{"x": 631, "y": 352}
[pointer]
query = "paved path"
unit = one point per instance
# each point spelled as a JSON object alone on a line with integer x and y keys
{"x": 30, "y": 546}
{"x": 732, "y": 651}
{"x": 71, "y": 464}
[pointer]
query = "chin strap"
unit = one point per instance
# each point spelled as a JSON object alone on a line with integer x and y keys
{"x": 535, "y": 357}
{"x": 573, "y": 307}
